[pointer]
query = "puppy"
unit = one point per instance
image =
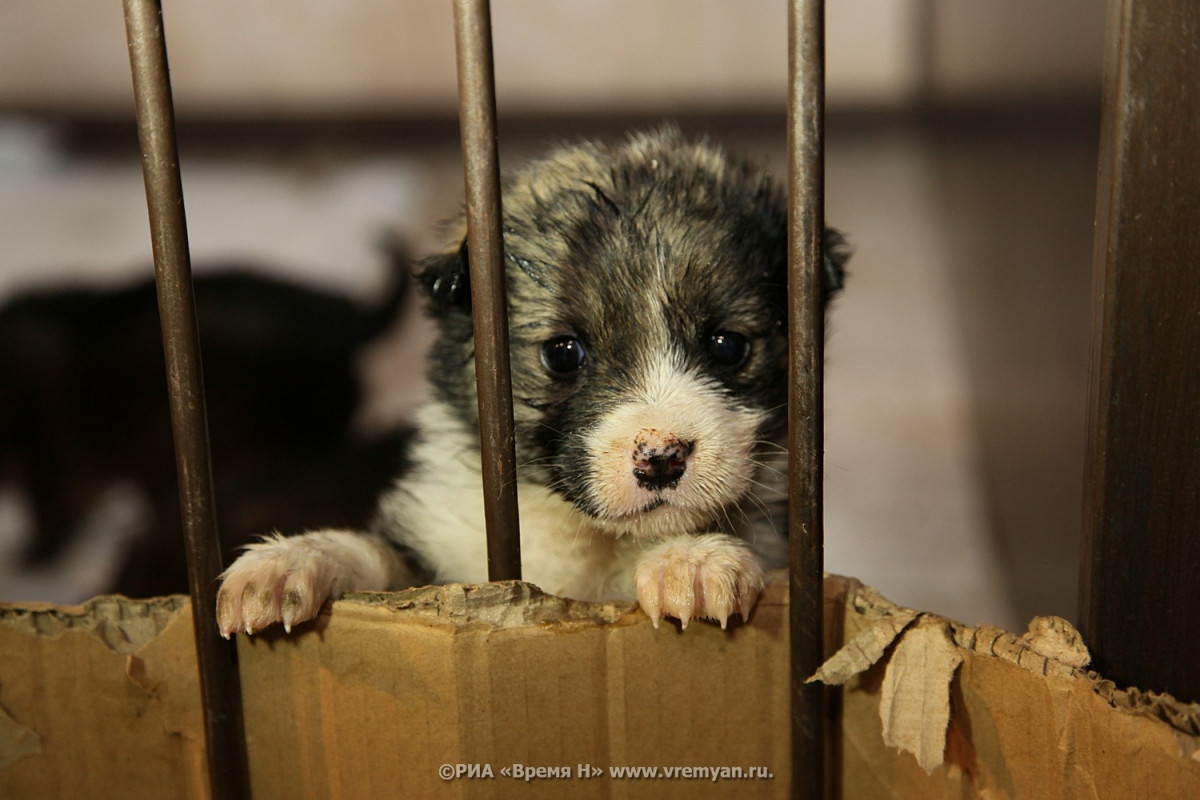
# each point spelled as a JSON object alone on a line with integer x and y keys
{"x": 646, "y": 288}
{"x": 84, "y": 406}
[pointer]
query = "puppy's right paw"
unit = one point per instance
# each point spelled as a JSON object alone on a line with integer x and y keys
{"x": 288, "y": 579}
{"x": 693, "y": 576}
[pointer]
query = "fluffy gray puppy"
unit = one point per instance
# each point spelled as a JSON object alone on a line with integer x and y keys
{"x": 646, "y": 290}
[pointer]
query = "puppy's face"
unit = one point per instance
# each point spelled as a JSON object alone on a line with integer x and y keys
{"x": 647, "y": 330}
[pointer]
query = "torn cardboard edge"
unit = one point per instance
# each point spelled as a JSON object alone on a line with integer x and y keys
{"x": 122, "y": 624}
{"x": 1051, "y": 646}
{"x": 503, "y": 604}
{"x": 155, "y": 630}
{"x": 921, "y": 655}
{"x": 926, "y": 652}
{"x": 113, "y": 666}
{"x": 1183, "y": 717}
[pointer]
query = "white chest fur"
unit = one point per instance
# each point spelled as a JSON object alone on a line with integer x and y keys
{"x": 437, "y": 510}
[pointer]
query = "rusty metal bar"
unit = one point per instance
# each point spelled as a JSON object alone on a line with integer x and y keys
{"x": 216, "y": 658}
{"x": 485, "y": 247}
{"x": 806, "y": 332}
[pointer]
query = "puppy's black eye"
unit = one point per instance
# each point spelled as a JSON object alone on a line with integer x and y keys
{"x": 728, "y": 348}
{"x": 563, "y": 356}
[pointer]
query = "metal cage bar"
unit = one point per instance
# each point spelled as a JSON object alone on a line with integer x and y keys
{"x": 485, "y": 247}
{"x": 216, "y": 658}
{"x": 806, "y": 337}
{"x": 477, "y": 110}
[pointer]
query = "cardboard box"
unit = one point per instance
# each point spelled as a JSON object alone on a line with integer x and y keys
{"x": 502, "y": 691}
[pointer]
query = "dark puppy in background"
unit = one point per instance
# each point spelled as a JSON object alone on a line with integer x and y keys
{"x": 647, "y": 309}
{"x": 84, "y": 407}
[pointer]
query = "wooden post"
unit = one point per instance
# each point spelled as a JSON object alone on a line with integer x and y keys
{"x": 1139, "y": 600}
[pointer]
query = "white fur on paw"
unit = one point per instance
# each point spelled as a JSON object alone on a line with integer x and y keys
{"x": 288, "y": 579}
{"x": 690, "y": 577}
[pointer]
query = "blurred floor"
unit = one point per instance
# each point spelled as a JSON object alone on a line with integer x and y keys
{"x": 958, "y": 375}
{"x": 957, "y": 355}
{"x": 1017, "y": 197}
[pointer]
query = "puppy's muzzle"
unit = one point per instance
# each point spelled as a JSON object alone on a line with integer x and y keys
{"x": 659, "y": 459}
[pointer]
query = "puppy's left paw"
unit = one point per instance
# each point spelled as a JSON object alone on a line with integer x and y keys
{"x": 287, "y": 579}
{"x": 691, "y": 577}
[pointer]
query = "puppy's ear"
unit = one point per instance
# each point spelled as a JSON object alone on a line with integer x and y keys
{"x": 836, "y": 254}
{"x": 446, "y": 280}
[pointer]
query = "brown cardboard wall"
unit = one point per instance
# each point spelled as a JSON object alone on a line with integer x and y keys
{"x": 519, "y": 694}
{"x": 396, "y": 690}
{"x": 100, "y": 701}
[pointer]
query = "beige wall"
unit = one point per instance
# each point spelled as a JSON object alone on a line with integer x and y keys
{"x": 396, "y": 56}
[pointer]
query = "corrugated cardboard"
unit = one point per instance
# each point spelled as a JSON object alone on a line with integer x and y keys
{"x": 100, "y": 701}
{"x": 509, "y": 692}
{"x": 1024, "y": 719}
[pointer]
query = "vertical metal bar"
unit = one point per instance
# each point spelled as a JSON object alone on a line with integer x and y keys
{"x": 1139, "y": 607}
{"x": 485, "y": 246}
{"x": 806, "y": 332}
{"x": 216, "y": 658}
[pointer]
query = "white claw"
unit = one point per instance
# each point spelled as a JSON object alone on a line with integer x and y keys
{"x": 692, "y": 577}
{"x": 287, "y": 579}
{"x": 747, "y": 597}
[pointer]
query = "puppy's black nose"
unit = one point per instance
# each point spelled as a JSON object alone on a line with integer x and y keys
{"x": 659, "y": 472}
{"x": 659, "y": 462}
